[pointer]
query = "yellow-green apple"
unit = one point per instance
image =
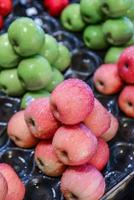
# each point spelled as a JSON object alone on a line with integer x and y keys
{"x": 26, "y": 36}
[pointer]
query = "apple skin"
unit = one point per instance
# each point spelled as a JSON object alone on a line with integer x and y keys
{"x": 101, "y": 156}
{"x": 91, "y": 12}
{"x": 55, "y": 7}
{"x": 16, "y": 189}
{"x": 107, "y": 80}
{"x": 30, "y": 96}
{"x": 130, "y": 11}
{"x": 126, "y": 65}
{"x": 71, "y": 18}
{"x": 64, "y": 58}
{"x": 57, "y": 77}
{"x": 25, "y": 36}
{"x": 93, "y": 37}
{"x": 115, "y": 9}
{"x": 3, "y": 187}
{"x": 113, "y": 54}
{"x": 126, "y": 101}
{"x": 34, "y": 72}
{"x": 40, "y": 119}
{"x": 112, "y": 131}
{"x": 18, "y": 131}
{"x": 6, "y": 7}
{"x": 71, "y": 101}
{"x": 130, "y": 42}
{"x": 49, "y": 49}
{"x": 47, "y": 160}
{"x": 118, "y": 31}
{"x": 74, "y": 145}
{"x": 10, "y": 83}
{"x": 82, "y": 182}
{"x": 98, "y": 122}
{"x": 8, "y": 57}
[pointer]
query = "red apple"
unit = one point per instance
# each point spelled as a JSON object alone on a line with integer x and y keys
{"x": 101, "y": 156}
{"x": 126, "y": 65}
{"x": 55, "y": 7}
{"x": 112, "y": 131}
{"x": 47, "y": 160}
{"x": 16, "y": 189}
{"x": 74, "y": 145}
{"x": 126, "y": 101}
{"x": 6, "y": 7}
{"x": 1, "y": 22}
{"x": 18, "y": 131}
{"x": 71, "y": 101}
{"x": 40, "y": 119}
{"x": 107, "y": 80}
{"x": 82, "y": 182}
{"x": 3, "y": 187}
{"x": 98, "y": 120}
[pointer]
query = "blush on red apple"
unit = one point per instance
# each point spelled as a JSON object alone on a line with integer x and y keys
{"x": 40, "y": 119}
{"x": 74, "y": 145}
{"x": 71, "y": 101}
{"x": 47, "y": 160}
{"x": 82, "y": 182}
{"x": 18, "y": 131}
{"x": 107, "y": 80}
{"x": 98, "y": 121}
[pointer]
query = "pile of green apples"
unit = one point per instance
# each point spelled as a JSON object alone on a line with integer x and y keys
{"x": 31, "y": 62}
{"x": 106, "y": 24}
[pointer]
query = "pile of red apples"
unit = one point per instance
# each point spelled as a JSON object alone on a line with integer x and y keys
{"x": 110, "y": 79}
{"x": 69, "y": 130}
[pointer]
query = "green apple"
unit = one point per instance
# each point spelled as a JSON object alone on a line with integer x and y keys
{"x": 94, "y": 37}
{"x": 8, "y": 57}
{"x": 130, "y": 11}
{"x": 130, "y": 42}
{"x": 34, "y": 72}
{"x": 64, "y": 58}
{"x": 10, "y": 83}
{"x": 30, "y": 96}
{"x": 26, "y": 36}
{"x": 118, "y": 31}
{"x": 113, "y": 54}
{"x": 49, "y": 49}
{"x": 91, "y": 11}
{"x": 56, "y": 79}
{"x": 71, "y": 18}
{"x": 115, "y": 8}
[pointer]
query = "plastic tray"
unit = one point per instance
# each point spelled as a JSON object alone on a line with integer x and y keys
{"x": 120, "y": 168}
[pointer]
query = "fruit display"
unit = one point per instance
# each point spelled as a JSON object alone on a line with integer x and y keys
{"x": 26, "y": 154}
{"x": 103, "y": 24}
{"x": 31, "y": 60}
